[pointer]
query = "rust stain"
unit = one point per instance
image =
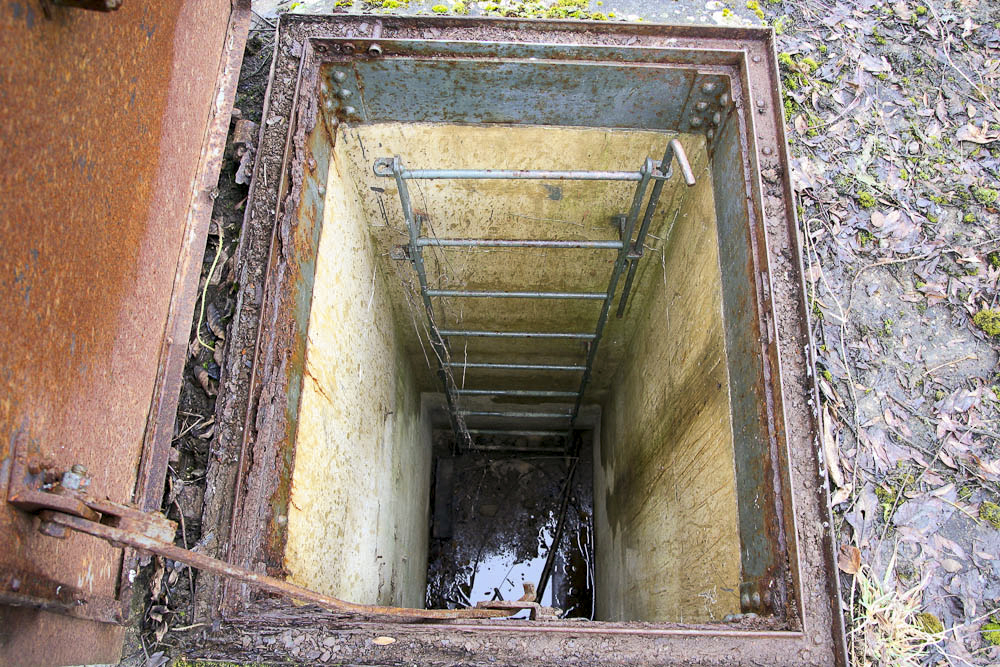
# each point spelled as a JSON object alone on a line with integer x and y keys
{"x": 104, "y": 123}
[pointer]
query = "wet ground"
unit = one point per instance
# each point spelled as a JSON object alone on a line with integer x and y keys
{"x": 494, "y": 522}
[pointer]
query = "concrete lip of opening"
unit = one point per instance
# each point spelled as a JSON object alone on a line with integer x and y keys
{"x": 343, "y": 83}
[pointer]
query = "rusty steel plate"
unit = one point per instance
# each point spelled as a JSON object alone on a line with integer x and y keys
{"x": 111, "y": 135}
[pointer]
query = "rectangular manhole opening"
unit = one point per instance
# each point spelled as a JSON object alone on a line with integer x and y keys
{"x": 519, "y": 302}
{"x": 661, "y": 542}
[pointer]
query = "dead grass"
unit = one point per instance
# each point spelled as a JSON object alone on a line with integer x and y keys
{"x": 886, "y": 629}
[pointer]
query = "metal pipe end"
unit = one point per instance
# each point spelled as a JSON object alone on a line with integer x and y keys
{"x": 682, "y": 160}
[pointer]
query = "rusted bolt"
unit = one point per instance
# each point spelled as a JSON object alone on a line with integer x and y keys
{"x": 374, "y": 50}
{"x": 710, "y": 134}
{"x": 15, "y": 584}
{"x": 343, "y": 93}
{"x": 756, "y": 59}
{"x": 79, "y": 469}
{"x": 767, "y": 150}
{"x": 348, "y": 48}
{"x": 755, "y": 599}
{"x": 350, "y": 111}
{"x": 701, "y": 106}
{"x": 696, "y": 121}
{"x": 723, "y": 99}
{"x": 339, "y": 76}
{"x": 708, "y": 87}
{"x": 716, "y": 118}
{"x": 761, "y": 104}
{"x": 745, "y": 599}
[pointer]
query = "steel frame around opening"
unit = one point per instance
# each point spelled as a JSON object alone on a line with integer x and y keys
{"x": 628, "y": 253}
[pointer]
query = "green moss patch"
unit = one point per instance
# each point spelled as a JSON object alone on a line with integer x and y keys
{"x": 988, "y": 321}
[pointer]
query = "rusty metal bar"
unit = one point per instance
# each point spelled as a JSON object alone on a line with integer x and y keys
{"x": 517, "y": 367}
{"x": 674, "y": 149}
{"x": 263, "y": 582}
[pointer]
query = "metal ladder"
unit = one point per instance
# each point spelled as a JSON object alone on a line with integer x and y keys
{"x": 629, "y": 253}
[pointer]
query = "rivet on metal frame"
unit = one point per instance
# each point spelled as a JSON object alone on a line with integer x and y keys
{"x": 339, "y": 76}
{"x": 696, "y": 121}
{"x": 708, "y": 87}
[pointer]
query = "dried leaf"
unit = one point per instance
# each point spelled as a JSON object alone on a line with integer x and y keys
{"x": 849, "y": 559}
{"x": 383, "y": 641}
{"x": 977, "y": 135}
{"x": 830, "y": 449}
{"x": 951, "y": 565}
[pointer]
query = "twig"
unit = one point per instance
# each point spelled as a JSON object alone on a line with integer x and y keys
{"x": 949, "y": 363}
{"x": 204, "y": 292}
{"x": 184, "y": 539}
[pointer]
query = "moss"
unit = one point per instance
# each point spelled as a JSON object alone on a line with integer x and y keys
{"x": 810, "y": 63}
{"x": 994, "y": 259}
{"x": 990, "y": 511}
{"x": 985, "y": 196}
{"x": 877, "y": 36}
{"x": 920, "y": 284}
{"x": 988, "y": 321}
{"x": 920, "y": 10}
{"x": 823, "y": 49}
{"x": 460, "y": 8}
{"x": 439, "y": 9}
{"x": 827, "y": 375}
{"x": 996, "y": 391}
{"x": 866, "y": 199}
{"x": 865, "y": 237}
{"x": 781, "y": 24}
{"x": 991, "y": 631}
{"x": 969, "y": 218}
{"x": 929, "y": 623}
{"x": 965, "y": 492}
{"x": 939, "y": 394}
{"x": 755, "y": 8}
{"x": 727, "y": 12}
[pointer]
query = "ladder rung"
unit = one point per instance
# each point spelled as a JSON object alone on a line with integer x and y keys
{"x": 517, "y": 367}
{"x": 515, "y": 243}
{"x": 517, "y": 295}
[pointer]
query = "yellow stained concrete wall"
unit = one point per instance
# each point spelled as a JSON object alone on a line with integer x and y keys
{"x": 505, "y": 209}
{"x": 357, "y": 521}
{"x": 666, "y": 527}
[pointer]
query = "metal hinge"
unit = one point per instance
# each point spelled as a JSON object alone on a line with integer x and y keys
{"x": 63, "y": 501}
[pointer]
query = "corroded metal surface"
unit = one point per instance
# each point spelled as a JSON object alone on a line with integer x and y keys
{"x": 104, "y": 178}
{"x": 262, "y": 582}
{"x": 775, "y": 309}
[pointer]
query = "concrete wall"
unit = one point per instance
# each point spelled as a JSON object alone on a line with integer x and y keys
{"x": 666, "y": 527}
{"x": 357, "y": 520}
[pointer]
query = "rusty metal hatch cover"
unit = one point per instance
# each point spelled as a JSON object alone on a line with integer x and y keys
{"x": 114, "y": 125}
